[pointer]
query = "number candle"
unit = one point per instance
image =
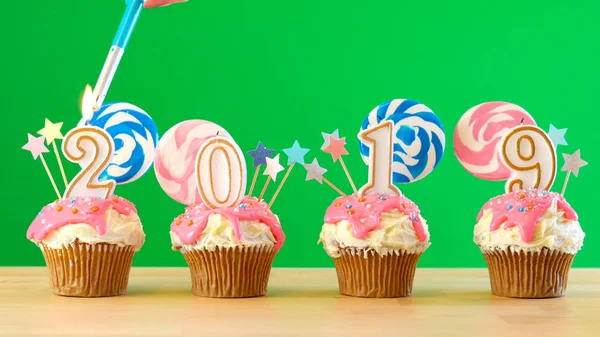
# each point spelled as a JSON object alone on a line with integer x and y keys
{"x": 221, "y": 173}
{"x": 93, "y": 149}
{"x": 531, "y": 157}
{"x": 379, "y": 139}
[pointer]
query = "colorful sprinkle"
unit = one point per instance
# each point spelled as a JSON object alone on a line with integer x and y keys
{"x": 362, "y": 200}
{"x": 509, "y": 207}
{"x": 243, "y": 206}
{"x": 350, "y": 211}
{"x": 178, "y": 222}
{"x": 115, "y": 200}
{"x": 95, "y": 208}
{"x": 191, "y": 222}
{"x": 74, "y": 210}
{"x": 382, "y": 198}
{"x": 522, "y": 209}
{"x": 338, "y": 204}
{"x": 348, "y": 206}
{"x": 59, "y": 208}
{"x": 72, "y": 201}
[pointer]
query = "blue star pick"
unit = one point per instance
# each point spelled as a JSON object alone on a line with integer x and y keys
{"x": 557, "y": 136}
{"x": 295, "y": 154}
{"x": 260, "y": 155}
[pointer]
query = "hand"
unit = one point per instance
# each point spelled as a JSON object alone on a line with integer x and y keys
{"x": 160, "y": 3}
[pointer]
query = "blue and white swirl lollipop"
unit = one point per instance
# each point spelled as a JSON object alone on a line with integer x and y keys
{"x": 418, "y": 140}
{"x": 135, "y": 135}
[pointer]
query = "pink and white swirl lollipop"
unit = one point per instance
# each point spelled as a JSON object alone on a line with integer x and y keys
{"x": 175, "y": 158}
{"x": 478, "y": 134}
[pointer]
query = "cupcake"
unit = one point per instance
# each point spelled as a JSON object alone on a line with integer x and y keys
{"x": 375, "y": 242}
{"x": 230, "y": 251}
{"x": 529, "y": 239}
{"x": 88, "y": 244}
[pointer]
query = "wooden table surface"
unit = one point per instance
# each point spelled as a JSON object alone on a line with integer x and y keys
{"x": 300, "y": 302}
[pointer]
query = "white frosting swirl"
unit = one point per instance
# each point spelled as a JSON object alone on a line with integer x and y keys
{"x": 122, "y": 230}
{"x": 396, "y": 234}
{"x": 552, "y": 231}
{"x": 219, "y": 234}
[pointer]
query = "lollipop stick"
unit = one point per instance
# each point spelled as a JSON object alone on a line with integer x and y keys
{"x": 566, "y": 182}
{"x": 254, "y": 180}
{"x": 262, "y": 194}
{"x": 287, "y": 173}
{"x": 333, "y": 186}
{"x": 60, "y": 164}
{"x": 50, "y": 176}
{"x": 348, "y": 174}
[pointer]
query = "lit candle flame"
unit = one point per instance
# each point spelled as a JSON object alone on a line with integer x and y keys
{"x": 87, "y": 103}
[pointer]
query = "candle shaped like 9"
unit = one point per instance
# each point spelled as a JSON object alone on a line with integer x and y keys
{"x": 221, "y": 173}
{"x": 529, "y": 154}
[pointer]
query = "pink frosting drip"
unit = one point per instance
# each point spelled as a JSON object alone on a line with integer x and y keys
{"x": 364, "y": 213}
{"x": 86, "y": 210}
{"x": 190, "y": 225}
{"x": 524, "y": 209}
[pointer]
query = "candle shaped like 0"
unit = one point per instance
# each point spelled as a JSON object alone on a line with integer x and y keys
{"x": 531, "y": 157}
{"x": 221, "y": 173}
{"x": 380, "y": 160}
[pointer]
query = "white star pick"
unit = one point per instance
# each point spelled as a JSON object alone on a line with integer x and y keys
{"x": 273, "y": 167}
{"x": 557, "y": 136}
{"x": 314, "y": 171}
{"x": 335, "y": 134}
{"x": 573, "y": 162}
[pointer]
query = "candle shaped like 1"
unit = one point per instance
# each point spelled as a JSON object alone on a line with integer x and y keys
{"x": 221, "y": 173}
{"x": 380, "y": 159}
{"x": 529, "y": 154}
{"x": 132, "y": 13}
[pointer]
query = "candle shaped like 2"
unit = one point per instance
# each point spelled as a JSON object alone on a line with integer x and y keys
{"x": 132, "y": 13}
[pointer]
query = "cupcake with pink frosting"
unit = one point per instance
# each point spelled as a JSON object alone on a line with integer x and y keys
{"x": 88, "y": 244}
{"x": 375, "y": 242}
{"x": 529, "y": 239}
{"x": 229, "y": 250}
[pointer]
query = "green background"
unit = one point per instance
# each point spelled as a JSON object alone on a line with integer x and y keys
{"x": 277, "y": 71}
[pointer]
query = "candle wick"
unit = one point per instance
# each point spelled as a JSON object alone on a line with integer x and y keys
{"x": 522, "y": 121}
{"x": 217, "y": 133}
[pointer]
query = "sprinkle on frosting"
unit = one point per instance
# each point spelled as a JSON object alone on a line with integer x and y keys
{"x": 364, "y": 213}
{"x": 524, "y": 209}
{"x": 249, "y": 209}
{"x": 86, "y": 210}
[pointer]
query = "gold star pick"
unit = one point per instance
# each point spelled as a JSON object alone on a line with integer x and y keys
{"x": 51, "y": 131}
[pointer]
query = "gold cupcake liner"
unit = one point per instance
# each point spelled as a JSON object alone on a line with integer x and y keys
{"x": 528, "y": 274}
{"x": 89, "y": 270}
{"x": 230, "y": 272}
{"x": 368, "y": 274}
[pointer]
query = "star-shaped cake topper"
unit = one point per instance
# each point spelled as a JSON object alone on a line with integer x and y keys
{"x": 573, "y": 162}
{"x": 336, "y": 147}
{"x": 35, "y": 145}
{"x": 273, "y": 167}
{"x": 51, "y": 131}
{"x": 557, "y": 136}
{"x": 314, "y": 171}
{"x": 295, "y": 154}
{"x": 260, "y": 155}
{"x": 335, "y": 134}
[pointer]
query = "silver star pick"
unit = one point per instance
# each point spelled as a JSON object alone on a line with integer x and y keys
{"x": 573, "y": 162}
{"x": 314, "y": 171}
{"x": 335, "y": 134}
